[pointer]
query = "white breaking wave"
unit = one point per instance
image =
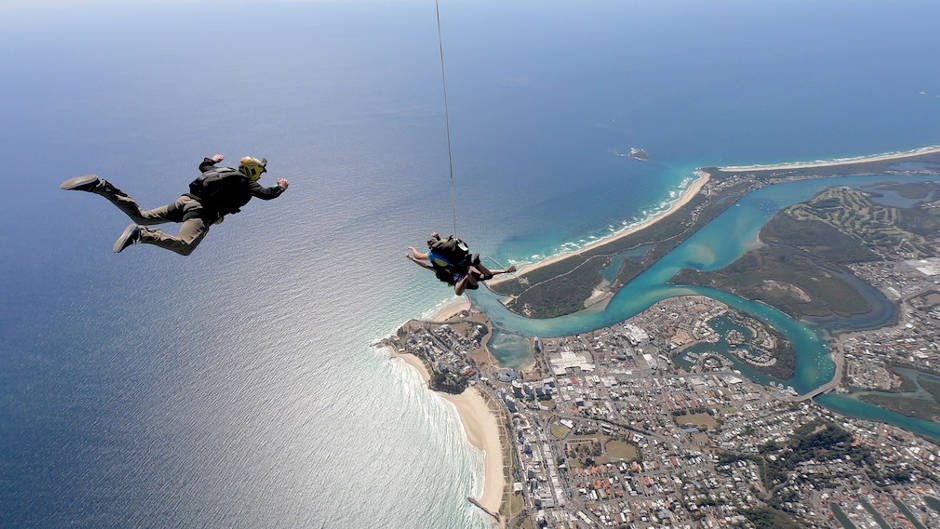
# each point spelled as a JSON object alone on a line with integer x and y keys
{"x": 611, "y": 231}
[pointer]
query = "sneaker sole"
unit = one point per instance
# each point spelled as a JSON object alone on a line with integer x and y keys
{"x": 78, "y": 181}
{"x": 121, "y": 242}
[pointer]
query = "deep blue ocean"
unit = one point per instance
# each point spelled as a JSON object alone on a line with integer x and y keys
{"x": 237, "y": 387}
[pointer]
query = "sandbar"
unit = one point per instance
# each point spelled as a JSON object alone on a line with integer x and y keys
{"x": 414, "y": 362}
{"x": 451, "y": 309}
{"x": 932, "y": 149}
{"x": 683, "y": 199}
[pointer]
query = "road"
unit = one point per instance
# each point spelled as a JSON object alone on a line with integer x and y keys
{"x": 839, "y": 358}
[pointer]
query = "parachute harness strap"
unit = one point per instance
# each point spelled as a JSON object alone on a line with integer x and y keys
{"x": 450, "y": 151}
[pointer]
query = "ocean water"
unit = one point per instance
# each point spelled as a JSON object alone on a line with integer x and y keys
{"x": 237, "y": 387}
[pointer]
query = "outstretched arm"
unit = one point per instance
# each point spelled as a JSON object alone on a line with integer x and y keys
{"x": 416, "y": 253}
{"x": 208, "y": 163}
{"x": 418, "y": 262}
{"x": 267, "y": 193}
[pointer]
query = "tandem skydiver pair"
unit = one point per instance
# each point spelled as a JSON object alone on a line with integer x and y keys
{"x": 452, "y": 263}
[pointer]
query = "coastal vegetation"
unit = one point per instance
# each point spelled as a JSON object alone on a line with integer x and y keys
{"x": 801, "y": 269}
{"x": 933, "y": 388}
{"x": 559, "y": 430}
{"x": 922, "y": 408}
{"x": 448, "y": 382}
{"x": 792, "y": 281}
{"x": 561, "y": 286}
{"x": 819, "y": 441}
{"x": 914, "y": 190}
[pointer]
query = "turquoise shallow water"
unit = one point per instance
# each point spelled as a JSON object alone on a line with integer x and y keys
{"x": 237, "y": 387}
{"x": 716, "y": 245}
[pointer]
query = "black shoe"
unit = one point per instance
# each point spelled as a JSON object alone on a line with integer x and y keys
{"x": 130, "y": 236}
{"x": 81, "y": 183}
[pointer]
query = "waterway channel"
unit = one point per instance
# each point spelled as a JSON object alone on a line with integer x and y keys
{"x": 720, "y": 242}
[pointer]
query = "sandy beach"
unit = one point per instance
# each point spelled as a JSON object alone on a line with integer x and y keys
{"x": 414, "y": 362}
{"x": 450, "y": 309}
{"x": 480, "y": 424}
{"x": 933, "y": 149}
{"x": 483, "y": 432}
{"x": 482, "y": 428}
{"x": 683, "y": 199}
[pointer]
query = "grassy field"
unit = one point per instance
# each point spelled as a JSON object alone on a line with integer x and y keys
{"x": 697, "y": 419}
{"x": 559, "y": 430}
{"x": 516, "y": 503}
{"x": 621, "y": 450}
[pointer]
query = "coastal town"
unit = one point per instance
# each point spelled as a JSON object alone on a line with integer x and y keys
{"x": 685, "y": 415}
{"x": 896, "y": 362}
{"x": 617, "y": 428}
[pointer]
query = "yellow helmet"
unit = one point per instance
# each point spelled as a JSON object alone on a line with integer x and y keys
{"x": 252, "y": 167}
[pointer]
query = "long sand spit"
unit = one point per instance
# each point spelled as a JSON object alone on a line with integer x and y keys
{"x": 683, "y": 199}
{"x": 700, "y": 181}
{"x": 932, "y": 149}
{"x": 479, "y": 422}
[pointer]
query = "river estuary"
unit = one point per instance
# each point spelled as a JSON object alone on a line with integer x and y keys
{"x": 723, "y": 240}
